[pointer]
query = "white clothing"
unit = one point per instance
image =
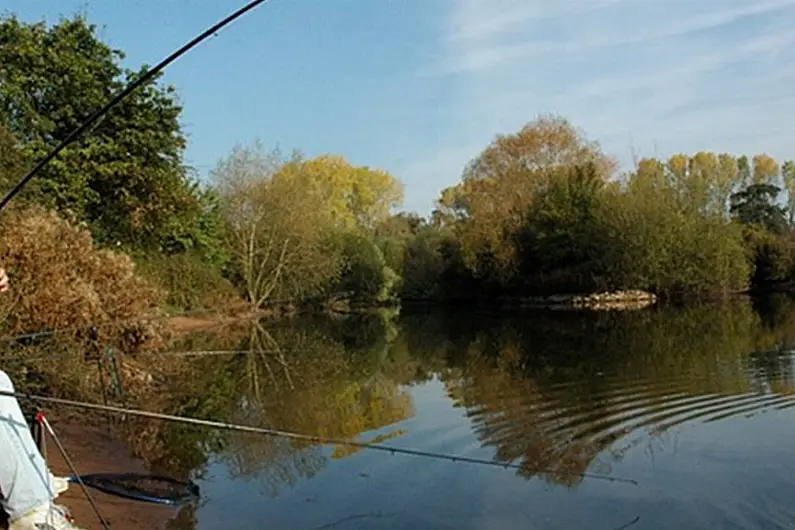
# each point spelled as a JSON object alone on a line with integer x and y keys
{"x": 25, "y": 481}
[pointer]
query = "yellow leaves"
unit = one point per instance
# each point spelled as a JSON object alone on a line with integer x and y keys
{"x": 355, "y": 197}
{"x": 545, "y": 143}
{"x": 282, "y": 214}
{"x": 704, "y": 166}
{"x": 765, "y": 170}
{"x": 677, "y": 165}
{"x": 728, "y": 172}
{"x": 650, "y": 176}
{"x": 704, "y": 181}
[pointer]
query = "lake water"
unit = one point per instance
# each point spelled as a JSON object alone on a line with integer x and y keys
{"x": 696, "y": 405}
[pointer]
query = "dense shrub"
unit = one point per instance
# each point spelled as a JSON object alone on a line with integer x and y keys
{"x": 61, "y": 280}
{"x": 190, "y": 283}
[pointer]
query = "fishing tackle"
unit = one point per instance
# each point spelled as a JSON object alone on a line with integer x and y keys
{"x": 140, "y": 487}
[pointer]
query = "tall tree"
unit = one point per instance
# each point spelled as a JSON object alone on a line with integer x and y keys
{"x": 357, "y": 197}
{"x": 125, "y": 178}
{"x": 727, "y": 180}
{"x": 279, "y": 230}
{"x": 756, "y": 205}
{"x": 744, "y": 177}
{"x": 500, "y": 186}
{"x": 765, "y": 170}
{"x": 788, "y": 178}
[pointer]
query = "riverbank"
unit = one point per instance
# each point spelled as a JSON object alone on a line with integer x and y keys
{"x": 92, "y": 448}
{"x": 627, "y": 300}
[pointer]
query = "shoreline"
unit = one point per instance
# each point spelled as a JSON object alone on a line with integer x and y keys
{"x": 94, "y": 449}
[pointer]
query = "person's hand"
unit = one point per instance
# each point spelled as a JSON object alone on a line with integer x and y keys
{"x": 3, "y": 280}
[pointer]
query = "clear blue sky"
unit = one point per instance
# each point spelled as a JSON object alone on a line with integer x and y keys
{"x": 418, "y": 87}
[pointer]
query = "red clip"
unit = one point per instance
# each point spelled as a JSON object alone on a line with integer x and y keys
{"x": 40, "y": 417}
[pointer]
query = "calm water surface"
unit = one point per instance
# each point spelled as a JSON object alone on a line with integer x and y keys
{"x": 696, "y": 405}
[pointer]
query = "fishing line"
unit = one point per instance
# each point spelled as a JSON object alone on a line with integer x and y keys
{"x": 148, "y": 75}
{"x": 293, "y": 435}
{"x": 143, "y": 319}
{"x": 172, "y": 354}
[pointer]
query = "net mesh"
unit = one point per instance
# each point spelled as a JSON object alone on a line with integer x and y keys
{"x": 147, "y": 488}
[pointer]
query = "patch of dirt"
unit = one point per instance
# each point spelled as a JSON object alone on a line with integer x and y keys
{"x": 93, "y": 449}
{"x": 188, "y": 324}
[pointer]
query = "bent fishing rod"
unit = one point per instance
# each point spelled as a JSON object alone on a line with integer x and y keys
{"x": 146, "y": 77}
{"x": 278, "y": 433}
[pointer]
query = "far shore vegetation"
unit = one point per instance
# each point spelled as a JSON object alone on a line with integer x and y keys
{"x": 119, "y": 230}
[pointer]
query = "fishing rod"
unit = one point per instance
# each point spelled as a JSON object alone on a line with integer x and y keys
{"x": 148, "y": 75}
{"x": 291, "y": 435}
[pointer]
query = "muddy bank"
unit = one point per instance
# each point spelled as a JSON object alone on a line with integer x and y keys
{"x": 210, "y": 322}
{"x": 93, "y": 449}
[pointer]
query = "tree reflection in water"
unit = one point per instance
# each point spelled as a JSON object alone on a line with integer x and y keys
{"x": 560, "y": 393}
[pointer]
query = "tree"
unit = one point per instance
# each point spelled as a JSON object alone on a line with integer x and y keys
{"x": 394, "y": 234}
{"x": 563, "y": 238}
{"x": 356, "y": 197}
{"x": 766, "y": 170}
{"x": 666, "y": 231}
{"x": 423, "y": 266}
{"x": 12, "y": 161}
{"x": 493, "y": 202}
{"x": 765, "y": 225}
{"x": 788, "y": 178}
{"x": 125, "y": 177}
{"x": 744, "y": 178}
{"x": 365, "y": 272}
{"x": 727, "y": 180}
{"x": 279, "y": 230}
{"x": 755, "y": 205}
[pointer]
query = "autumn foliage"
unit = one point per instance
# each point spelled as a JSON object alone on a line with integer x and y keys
{"x": 545, "y": 211}
{"x": 61, "y": 280}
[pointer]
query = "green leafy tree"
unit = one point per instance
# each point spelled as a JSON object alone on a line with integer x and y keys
{"x": 365, "y": 273}
{"x": 125, "y": 177}
{"x": 756, "y": 205}
{"x": 393, "y": 235}
{"x": 563, "y": 240}
{"x": 12, "y": 161}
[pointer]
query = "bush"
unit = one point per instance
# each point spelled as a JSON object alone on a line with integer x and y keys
{"x": 61, "y": 280}
{"x": 365, "y": 272}
{"x": 190, "y": 283}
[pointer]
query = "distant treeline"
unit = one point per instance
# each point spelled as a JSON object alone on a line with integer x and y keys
{"x": 540, "y": 211}
{"x": 544, "y": 211}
